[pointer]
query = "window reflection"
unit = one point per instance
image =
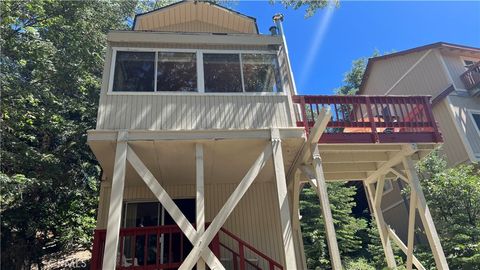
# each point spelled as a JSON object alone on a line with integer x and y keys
{"x": 222, "y": 72}
{"x": 134, "y": 72}
{"x": 177, "y": 72}
{"x": 261, "y": 73}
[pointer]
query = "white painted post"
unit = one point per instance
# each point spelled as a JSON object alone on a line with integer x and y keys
{"x": 282, "y": 195}
{"x": 116, "y": 200}
{"x": 382, "y": 228}
{"x": 200, "y": 201}
{"x": 429, "y": 226}
{"x": 325, "y": 206}
{"x": 411, "y": 229}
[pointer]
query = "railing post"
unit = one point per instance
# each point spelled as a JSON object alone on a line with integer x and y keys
{"x": 431, "y": 119}
{"x": 95, "y": 250}
{"x": 216, "y": 245}
{"x": 304, "y": 114}
{"x": 241, "y": 251}
{"x": 371, "y": 119}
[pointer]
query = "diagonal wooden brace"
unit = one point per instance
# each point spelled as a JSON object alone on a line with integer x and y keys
{"x": 202, "y": 242}
{"x": 171, "y": 208}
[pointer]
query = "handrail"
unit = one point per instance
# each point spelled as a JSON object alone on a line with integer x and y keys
{"x": 371, "y": 119}
{"x": 135, "y": 245}
{"x": 242, "y": 244}
{"x": 471, "y": 77}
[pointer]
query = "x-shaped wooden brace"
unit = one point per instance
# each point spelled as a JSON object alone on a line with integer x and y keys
{"x": 200, "y": 241}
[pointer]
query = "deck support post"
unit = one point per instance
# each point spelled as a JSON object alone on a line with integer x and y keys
{"x": 317, "y": 180}
{"x": 381, "y": 225}
{"x": 116, "y": 200}
{"x": 297, "y": 230}
{"x": 427, "y": 221}
{"x": 200, "y": 197}
{"x": 282, "y": 195}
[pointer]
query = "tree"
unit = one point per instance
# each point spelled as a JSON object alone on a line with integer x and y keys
{"x": 348, "y": 228}
{"x": 311, "y": 7}
{"x": 51, "y": 59}
{"x": 453, "y": 197}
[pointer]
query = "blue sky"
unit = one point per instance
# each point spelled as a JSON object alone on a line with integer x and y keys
{"x": 322, "y": 47}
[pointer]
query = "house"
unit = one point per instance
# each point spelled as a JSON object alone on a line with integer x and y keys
{"x": 204, "y": 145}
{"x": 450, "y": 74}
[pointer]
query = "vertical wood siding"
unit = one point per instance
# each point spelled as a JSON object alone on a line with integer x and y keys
{"x": 426, "y": 78}
{"x": 456, "y": 68}
{"x": 187, "y": 112}
{"x": 461, "y": 106}
{"x": 453, "y": 147}
{"x": 255, "y": 219}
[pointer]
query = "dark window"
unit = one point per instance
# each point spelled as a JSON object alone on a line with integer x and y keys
{"x": 134, "y": 72}
{"x": 476, "y": 118}
{"x": 261, "y": 73}
{"x": 222, "y": 73}
{"x": 177, "y": 72}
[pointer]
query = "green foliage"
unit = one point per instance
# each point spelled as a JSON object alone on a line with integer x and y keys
{"x": 348, "y": 228}
{"x": 359, "y": 264}
{"x": 453, "y": 196}
{"x": 52, "y": 59}
{"x": 310, "y": 6}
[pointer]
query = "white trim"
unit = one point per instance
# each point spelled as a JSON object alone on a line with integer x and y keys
{"x": 168, "y": 93}
{"x": 199, "y": 70}
{"x": 445, "y": 68}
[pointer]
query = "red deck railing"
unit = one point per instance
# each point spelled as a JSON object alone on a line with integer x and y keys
{"x": 471, "y": 77}
{"x": 165, "y": 247}
{"x": 371, "y": 119}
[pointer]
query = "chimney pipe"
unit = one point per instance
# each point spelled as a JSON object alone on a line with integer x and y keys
{"x": 273, "y": 30}
{"x": 278, "y": 19}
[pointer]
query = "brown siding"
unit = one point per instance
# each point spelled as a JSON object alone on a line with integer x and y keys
{"x": 255, "y": 219}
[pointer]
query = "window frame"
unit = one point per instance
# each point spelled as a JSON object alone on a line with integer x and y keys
{"x": 200, "y": 71}
{"x": 466, "y": 58}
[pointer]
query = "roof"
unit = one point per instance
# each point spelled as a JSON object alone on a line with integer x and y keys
{"x": 183, "y": 2}
{"x": 373, "y": 60}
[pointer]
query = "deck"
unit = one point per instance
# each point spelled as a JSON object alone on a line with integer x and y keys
{"x": 371, "y": 119}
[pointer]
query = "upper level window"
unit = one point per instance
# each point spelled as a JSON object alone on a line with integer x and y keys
{"x": 195, "y": 71}
{"x": 134, "y": 71}
{"x": 222, "y": 72}
{"x": 177, "y": 72}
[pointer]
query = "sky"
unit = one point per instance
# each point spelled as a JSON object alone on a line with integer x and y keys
{"x": 323, "y": 47}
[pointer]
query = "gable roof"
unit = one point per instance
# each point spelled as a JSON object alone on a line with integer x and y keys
{"x": 373, "y": 60}
{"x": 194, "y": 11}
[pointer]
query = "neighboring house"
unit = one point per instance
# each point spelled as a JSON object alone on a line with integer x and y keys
{"x": 204, "y": 145}
{"x": 450, "y": 74}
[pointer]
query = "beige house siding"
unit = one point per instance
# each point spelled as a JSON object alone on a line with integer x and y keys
{"x": 461, "y": 106}
{"x": 182, "y": 17}
{"x": 255, "y": 219}
{"x": 453, "y": 147}
{"x": 408, "y": 75}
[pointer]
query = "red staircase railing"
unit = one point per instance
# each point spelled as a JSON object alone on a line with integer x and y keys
{"x": 141, "y": 249}
{"x": 371, "y": 119}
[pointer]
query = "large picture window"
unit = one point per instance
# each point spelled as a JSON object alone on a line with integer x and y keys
{"x": 195, "y": 71}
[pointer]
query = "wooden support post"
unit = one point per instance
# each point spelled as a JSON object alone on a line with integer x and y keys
{"x": 382, "y": 227}
{"x": 411, "y": 229}
{"x": 321, "y": 187}
{"x": 425, "y": 215}
{"x": 201, "y": 242}
{"x": 200, "y": 201}
{"x": 402, "y": 246}
{"x": 116, "y": 200}
{"x": 282, "y": 195}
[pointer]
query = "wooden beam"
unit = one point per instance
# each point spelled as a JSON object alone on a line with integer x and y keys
{"x": 382, "y": 228}
{"x": 116, "y": 201}
{"x": 356, "y": 157}
{"x": 425, "y": 215}
{"x": 171, "y": 207}
{"x": 349, "y": 167}
{"x": 402, "y": 246}
{"x": 407, "y": 150}
{"x": 411, "y": 229}
{"x": 399, "y": 174}
{"x": 321, "y": 189}
{"x": 365, "y": 148}
{"x": 379, "y": 192}
{"x": 202, "y": 242}
{"x": 200, "y": 197}
{"x": 282, "y": 195}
